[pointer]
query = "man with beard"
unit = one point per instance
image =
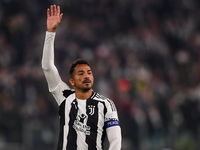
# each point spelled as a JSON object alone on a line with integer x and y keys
{"x": 85, "y": 115}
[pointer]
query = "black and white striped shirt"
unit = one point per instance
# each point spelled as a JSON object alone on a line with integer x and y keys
{"x": 83, "y": 123}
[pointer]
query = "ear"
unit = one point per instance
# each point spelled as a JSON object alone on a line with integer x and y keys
{"x": 71, "y": 81}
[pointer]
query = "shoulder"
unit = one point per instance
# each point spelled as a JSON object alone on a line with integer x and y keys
{"x": 100, "y": 97}
{"x": 62, "y": 92}
{"x": 68, "y": 92}
{"x": 108, "y": 102}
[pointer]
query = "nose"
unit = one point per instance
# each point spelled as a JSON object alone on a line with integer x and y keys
{"x": 86, "y": 76}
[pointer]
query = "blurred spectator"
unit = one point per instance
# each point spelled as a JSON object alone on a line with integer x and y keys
{"x": 144, "y": 54}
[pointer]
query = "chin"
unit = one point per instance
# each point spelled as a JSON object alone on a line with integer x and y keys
{"x": 86, "y": 89}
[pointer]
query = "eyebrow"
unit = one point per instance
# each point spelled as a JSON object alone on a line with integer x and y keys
{"x": 83, "y": 70}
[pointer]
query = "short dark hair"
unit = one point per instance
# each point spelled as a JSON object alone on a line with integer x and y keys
{"x": 77, "y": 62}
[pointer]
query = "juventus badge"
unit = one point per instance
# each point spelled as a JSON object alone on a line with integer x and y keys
{"x": 91, "y": 108}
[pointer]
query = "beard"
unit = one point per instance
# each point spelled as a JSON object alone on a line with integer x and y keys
{"x": 83, "y": 88}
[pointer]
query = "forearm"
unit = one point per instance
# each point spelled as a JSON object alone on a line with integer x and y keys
{"x": 48, "y": 51}
{"x": 114, "y": 137}
{"x": 48, "y": 66}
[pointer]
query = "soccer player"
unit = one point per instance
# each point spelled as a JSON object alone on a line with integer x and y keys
{"x": 85, "y": 115}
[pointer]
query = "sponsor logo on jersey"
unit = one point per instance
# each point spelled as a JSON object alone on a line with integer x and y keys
{"x": 80, "y": 124}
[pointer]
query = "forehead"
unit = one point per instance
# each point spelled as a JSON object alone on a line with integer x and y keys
{"x": 83, "y": 67}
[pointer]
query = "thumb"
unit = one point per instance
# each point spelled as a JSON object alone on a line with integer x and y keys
{"x": 61, "y": 15}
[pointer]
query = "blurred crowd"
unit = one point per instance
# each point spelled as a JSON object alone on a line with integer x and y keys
{"x": 144, "y": 56}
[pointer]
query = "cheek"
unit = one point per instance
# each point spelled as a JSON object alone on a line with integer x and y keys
{"x": 77, "y": 79}
{"x": 92, "y": 78}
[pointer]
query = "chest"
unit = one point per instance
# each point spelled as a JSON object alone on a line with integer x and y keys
{"x": 87, "y": 112}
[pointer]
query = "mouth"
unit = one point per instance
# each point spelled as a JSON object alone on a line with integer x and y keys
{"x": 86, "y": 81}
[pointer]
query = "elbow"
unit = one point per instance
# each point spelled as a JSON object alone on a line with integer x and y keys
{"x": 115, "y": 144}
{"x": 116, "y": 140}
{"x": 45, "y": 67}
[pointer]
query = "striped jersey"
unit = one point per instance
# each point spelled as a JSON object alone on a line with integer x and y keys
{"x": 83, "y": 123}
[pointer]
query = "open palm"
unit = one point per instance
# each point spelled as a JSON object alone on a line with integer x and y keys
{"x": 53, "y": 18}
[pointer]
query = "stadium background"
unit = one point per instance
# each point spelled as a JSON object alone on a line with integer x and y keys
{"x": 144, "y": 55}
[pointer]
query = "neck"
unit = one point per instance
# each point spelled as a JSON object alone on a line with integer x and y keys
{"x": 80, "y": 94}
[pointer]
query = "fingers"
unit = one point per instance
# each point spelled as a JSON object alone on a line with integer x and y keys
{"x": 53, "y": 10}
{"x": 48, "y": 13}
{"x": 61, "y": 16}
{"x": 58, "y": 10}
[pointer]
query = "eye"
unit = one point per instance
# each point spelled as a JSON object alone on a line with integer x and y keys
{"x": 80, "y": 73}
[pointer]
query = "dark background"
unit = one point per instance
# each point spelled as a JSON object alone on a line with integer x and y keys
{"x": 144, "y": 56}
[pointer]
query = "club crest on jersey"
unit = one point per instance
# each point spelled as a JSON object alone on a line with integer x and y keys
{"x": 92, "y": 109}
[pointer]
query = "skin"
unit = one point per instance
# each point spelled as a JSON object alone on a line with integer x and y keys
{"x": 82, "y": 78}
{"x": 53, "y": 18}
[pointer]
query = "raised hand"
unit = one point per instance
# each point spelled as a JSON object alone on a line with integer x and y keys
{"x": 53, "y": 18}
